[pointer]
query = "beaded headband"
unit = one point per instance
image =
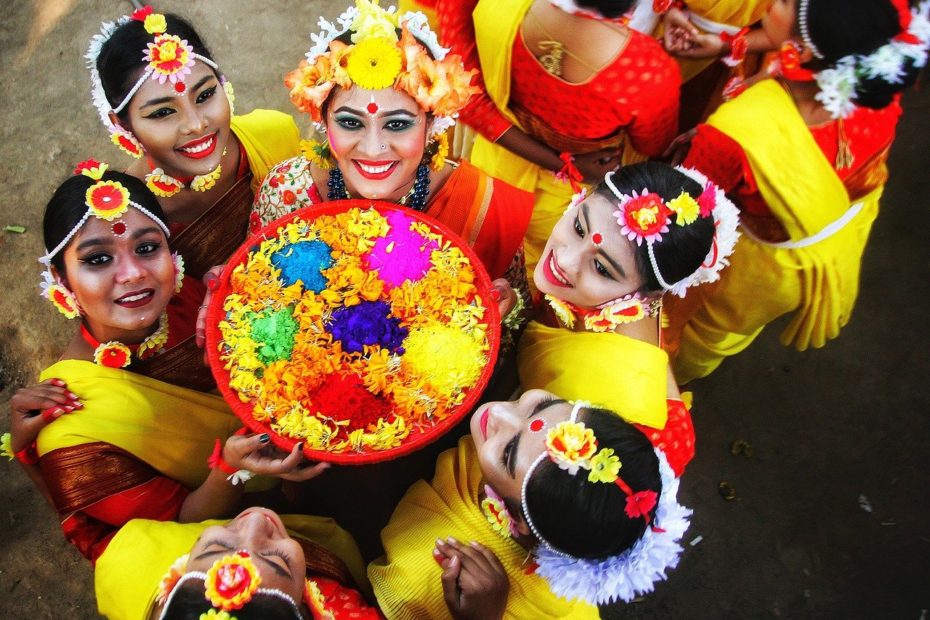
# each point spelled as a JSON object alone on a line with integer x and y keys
{"x": 378, "y": 59}
{"x": 635, "y": 570}
{"x": 169, "y": 59}
{"x": 229, "y": 584}
{"x": 805, "y": 31}
{"x": 106, "y": 200}
{"x": 646, "y": 217}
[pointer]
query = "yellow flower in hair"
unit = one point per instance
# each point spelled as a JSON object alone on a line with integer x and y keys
{"x": 605, "y": 466}
{"x": 685, "y": 207}
{"x": 571, "y": 446}
{"x": 232, "y": 581}
{"x": 438, "y": 160}
{"x": 374, "y": 63}
{"x": 373, "y": 22}
{"x": 155, "y": 23}
{"x": 107, "y": 199}
{"x": 213, "y": 614}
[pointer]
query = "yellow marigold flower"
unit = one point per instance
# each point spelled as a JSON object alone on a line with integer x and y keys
{"x": 685, "y": 207}
{"x": 438, "y": 160}
{"x": 155, "y": 23}
{"x": 317, "y": 153}
{"x": 605, "y": 466}
{"x": 571, "y": 445}
{"x": 374, "y": 63}
{"x": 373, "y": 22}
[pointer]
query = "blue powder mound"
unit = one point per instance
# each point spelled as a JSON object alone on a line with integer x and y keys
{"x": 304, "y": 261}
{"x": 368, "y": 323}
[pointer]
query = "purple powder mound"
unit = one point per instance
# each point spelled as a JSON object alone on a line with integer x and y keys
{"x": 402, "y": 254}
{"x": 368, "y": 323}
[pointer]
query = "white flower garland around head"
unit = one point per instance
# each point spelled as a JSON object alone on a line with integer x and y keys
{"x": 631, "y": 573}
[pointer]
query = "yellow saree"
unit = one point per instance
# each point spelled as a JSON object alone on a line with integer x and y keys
{"x": 609, "y": 370}
{"x": 406, "y": 580}
{"x": 815, "y": 274}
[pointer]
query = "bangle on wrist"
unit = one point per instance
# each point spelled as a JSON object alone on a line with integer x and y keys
{"x": 739, "y": 46}
{"x": 28, "y": 455}
{"x": 569, "y": 173}
{"x": 216, "y": 460}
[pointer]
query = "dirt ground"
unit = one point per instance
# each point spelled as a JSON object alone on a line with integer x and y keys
{"x": 830, "y": 515}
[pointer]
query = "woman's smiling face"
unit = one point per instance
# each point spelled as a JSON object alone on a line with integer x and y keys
{"x": 183, "y": 134}
{"x": 378, "y": 138}
{"x": 587, "y": 260}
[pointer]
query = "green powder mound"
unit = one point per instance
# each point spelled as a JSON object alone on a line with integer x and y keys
{"x": 274, "y": 332}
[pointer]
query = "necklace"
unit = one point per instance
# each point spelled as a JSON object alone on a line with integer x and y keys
{"x": 115, "y": 354}
{"x": 414, "y": 199}
{"x": 555, "y": 51}
{"x": 606, "y": 318}
{"x": 164, "y": 185}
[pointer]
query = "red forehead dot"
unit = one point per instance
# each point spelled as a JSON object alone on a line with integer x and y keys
{"x": 537, "y": 425}
{"x": 119, "y": 228}
{"x": 179, "y": 87}
{"x": 242, "y": 553}
{"x": 372, "y": 108}
{"x": 597, "y": 238}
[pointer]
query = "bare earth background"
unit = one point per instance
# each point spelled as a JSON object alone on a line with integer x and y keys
{"x": 831, "y": 431}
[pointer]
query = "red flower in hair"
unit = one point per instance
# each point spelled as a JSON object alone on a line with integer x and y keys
{"x": 87, "y": 164}
{"x": 140, "y": 14}
{"x": 708, "y": 199}
{"x": 640, "y": 504}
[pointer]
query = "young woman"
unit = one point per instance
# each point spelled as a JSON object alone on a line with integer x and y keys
{"x": 384, "y": 93}
{"x": 130, "y": 446}
{"x": 572, "y": 502}
{"x": 569, "y": 91}
{"x": 816, "y": 134}
{"x": 164, "y": 100}
{"x": 305, "y": 567}
{"x": 647, "y": 230}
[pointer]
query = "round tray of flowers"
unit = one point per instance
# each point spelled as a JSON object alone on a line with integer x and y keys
{"x": 357, "y": 327}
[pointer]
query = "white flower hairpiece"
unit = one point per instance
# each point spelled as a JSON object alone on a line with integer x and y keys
{"x": 631, "y": 573}
{"x": 838, "y": 84}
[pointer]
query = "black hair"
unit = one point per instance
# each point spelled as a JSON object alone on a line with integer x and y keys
{"x": 682, "y": 249}
{"x": 588, "y": 519}
{"x": 189, "y": 602}
{"x": 840, "y": 28}
{"x": 68, "y": 205}
{"x": 121, "y": 58}
{"x": 607, "y": 8}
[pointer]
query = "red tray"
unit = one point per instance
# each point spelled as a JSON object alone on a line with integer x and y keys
{"x": 419, "y": 436}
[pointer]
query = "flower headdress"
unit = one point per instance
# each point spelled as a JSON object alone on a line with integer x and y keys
{"x": 572, "y": 446}
{"x": 169, "y": 59}
{"x": 839, "y": 83}
{"x": 106, "y": 200}
{"x": 377, "y": 58}
{"x": 229, "y": 584}
{"x": 645, "y": 217}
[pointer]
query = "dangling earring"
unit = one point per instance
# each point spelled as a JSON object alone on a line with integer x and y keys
{"x": 178, "y": 261}
{"x": 789, "y": 63}
{"x": 60, "y": 295}
{"x": 495, "y": 510}
{"x": 126, "y": 142}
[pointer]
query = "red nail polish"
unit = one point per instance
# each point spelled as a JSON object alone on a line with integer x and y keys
{"x": 495, "y": 295}
{"x": 213, "y": 284}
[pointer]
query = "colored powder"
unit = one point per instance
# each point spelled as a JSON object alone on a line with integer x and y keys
{"x": 402, "y": 254}
{"x": 274, "y": 332}
{"x": 344, "y": 397}
{"x": 304, "y": 261}
{"x": 452, "y": 359}
{"x": 366, "y": 324}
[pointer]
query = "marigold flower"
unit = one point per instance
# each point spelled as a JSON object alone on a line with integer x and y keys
{"x": 374, "y": 63}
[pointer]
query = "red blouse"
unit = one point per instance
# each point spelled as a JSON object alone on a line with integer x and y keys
{"x": 722, "y": 159}
{"x": 637, "y": 91}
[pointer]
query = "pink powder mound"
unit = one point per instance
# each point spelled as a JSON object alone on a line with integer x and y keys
{"x": 402, "y": 254}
